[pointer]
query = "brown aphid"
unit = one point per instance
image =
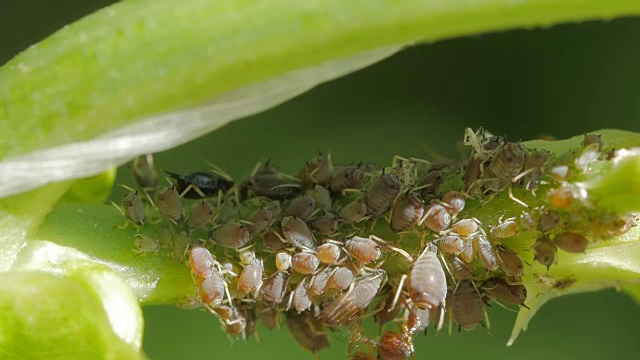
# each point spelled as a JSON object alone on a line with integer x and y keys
{"x": 407, "y": 211}
{"x": 504, "y": 292}
{"x": 454, "y": 201}
{"x": 201, "y": 215}
{"x": 297, "y": 232}
{"x": 323, "y": 198}
{"x": 561, "y": 172}
{"x": 144, "y": 173}
{"x": 259, "y": 220}
{"x": 134, "y": 209}
{"x": 450, "y": 244}
{"x": 169, "y": 203}
{"x": 510, "y": 263}
{"x": 354, "y": 211}
{"x": 146, "y": 244}
{"x": 560, "y": 198}
{"x": 273, "y": 241}
{"x": 268, "y": 181}
{"x": 363, "y": 249}
{"x": 248, "y": 313}
{"x": 304, "y": 263}
{"x": 345, "y": 310}
{"x": 236, "y": 325}
{"x": 202, "y": 262}
{"x": 465, "y": 227}
{"x": 302, "y": 207}
{"x": 571, "y": 242}
{"x": 430, "y": 182}
{"x": 466, "y": 306}
{"x": 301, "y": 297}
{"x": 231, "y": 235}
{"x": 274, "y": 287}
{"x": 325, "y": 224}
{"x": 395, "y": 346}
{"x": 328, "y": 253}
{"x": 592, "y": 139}
{"x": 486, "y": 252}
{"x": 319, "y": 282}
{"x": 268, "y": 315}
{"x": 317, "y": 171}
{"x": 348, "y": 177}
{"x": 544, "y": 252}
{"x": 250, "y": 279}
{"x": 381, "y": 194}
{"x": 386, "y": 310}
{"x": 341, "y": 278}
{"x": 426, "y": 281}
{"x": 459, "y": 269}
{"x": 436, "y": 218}
{"x": 534, "y": 169}
{"x": 505, "y": 229}
{"x": 506, "y": 164}
{"x": 212, "y": 289}
{"x": 283, "y": 260}
{"x": 307, "y": 330}
{"x": 473, "y": 171}
{"x": 548, "y": 220}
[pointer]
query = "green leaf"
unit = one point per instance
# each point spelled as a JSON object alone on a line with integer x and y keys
{"x": 95, "y": 189}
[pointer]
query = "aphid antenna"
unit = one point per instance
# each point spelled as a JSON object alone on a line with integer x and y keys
{"x": 217, "y": 170}
{"x": 512, "y": 197}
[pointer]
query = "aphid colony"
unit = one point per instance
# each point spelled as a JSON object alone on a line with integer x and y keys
{"x": 330, "y": 247}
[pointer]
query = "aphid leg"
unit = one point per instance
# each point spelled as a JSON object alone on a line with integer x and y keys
{"x": 290, "y": 300}
{"x": 487, "y": 323}
{"x": 441, "y": 319}
{"x": 194, "y": 188}
{"x": 516, "y": 199}
{"x": 398, "y": 292}
{"x": 446, "y": 267}
{"x": 523, "y": 174}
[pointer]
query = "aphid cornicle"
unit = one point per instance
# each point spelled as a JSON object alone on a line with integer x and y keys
{"x": 323, "y": 198}
{"x": 348, "y": 177}
{"x": 317, "y": 171}
{"x": 345, "y": 310}
{"x": 200, "y": 184}
{"x": 328, "y": 253}
{"x": 354, "y": 211}
{"x": 134, "y": 209}
{"x": 436, "y": 218}
{"x": 380, "y": 195}
{"x": 302, "y": 207}
{"x": 307, "y": 330}
{"x": 571, "y": 242}
{"x": 202, "y": 261}
{"x": 201, "y": 215}
{"x": 144, "y": 172}
{"x": 407, "y": 211}
{"x": 454, "y": 202}
{"x": 363, "y": 249}
{"x": 505, "y": 229}
{"x": 169, "y": 203}
{"x": 544, "y": 252}
{"x": 466, "y": 306}
{"x": 274, "y": 287}
{"x": 510, "y": 263}
{"x": 146, "y": 244}
{"x": 304, "y": 263}
{"x": 298, "y": 233}
{"x": 231, "y": 235}
{"x": 486, "y": 252}
{"x": 325, "y": 224}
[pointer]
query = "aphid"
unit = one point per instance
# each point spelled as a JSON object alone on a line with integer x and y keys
{"x": 395, "y": 346}
{"x": 249, "y": 315}
{"x": 250, "y": 279}
{"x": 548, "y": 220}
{"x": 325, "y": 224}
{"x": 384, "y": 310}
{"x": 319, "y": 282}
{"x": 450, "y": 244}
{"x": 323, "y": 198}
{"x": 468, "y": 251}
{"x": 341, "y": 278}
{"x": 571, "y": 242}
{"x": 381, "y": 194}
{"x": 504, "y": 292}
{"x": 259, "y": 220}
{"x": 459, "y": 269}
{"x": 283, "y": 260}
{"x": 561, "y": 172}
{"x": 201, "y": 215}
{"x": 146, "y": 244}
{"x": 328, "y": 253}
{"x": 587, "y": 157}
{"x": 298, "y": 233}
{"x": 430, "y": 182}
{"x": 354, "y": 211}
{"x": 465, "y": 227}
{"x": 302, "y": 207}
{"x": 486, "y": 252}
{"x": 505, "y": 165}
{"x": 362, "y": 249}
{"x": 436, "y": 218}
{"x": 454, "y": 202}
{"x": 236, "y": 325}
{"x": 307, "y": 330}
{"x": 212, "y": 289}
{"x": 317, "y": 171}
{"x": 267, "y": 314}
{"x": 590, "y": 139}
{"x": 348, "y": 177}
{"x": 407, "y": 211}
{"x": 202, "y": 262}
{"x": 201, "y": 184}
{"x": 231, "y": 235}
{"x": 268, "y": 181}
{"x": 417, "y": 319}
{"x": 345, "y": 310}
{"x": 510, "y": 262}
{"x": 165, "y": 238}
{"x": 473, "y": 171}
{"x": 505, "y": 229}
{"x": 466, "y": 306}
{"x": 134, "y": 209}
{"x": 169, "y": 203}
{"x": 144, "y": 172}
{"x": 561, "y": 198}
{"x": 273, "y": 241}
{"x": 181, "y": 243}
{"x": 528, "y": 221}
{"x": 544, "y": 252}
{"x": 274, "y": 287}
{"x": 304, "y": 263}
{"x": 301, "y": 297}
{"x": 534, "y": 169}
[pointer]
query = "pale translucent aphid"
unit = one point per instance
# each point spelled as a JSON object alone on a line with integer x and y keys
{"x": 324, "y": 224}
{"x": 250, "y": 279}
{"x": 362, "y": 249}
{"x": 560, "y": 198}
{"x": 301, "y": 297}
{"x": 407, "y": 211}
{"x": 381, "y": 194}
{"x": 283, "y": 260}
{"x": 436, "y": 218}
{"x": 202, "y": 262}
{"x": 465, "y": 227}
{"x": 201, "y": 215}
{"x": 450, "y": 244}
{"x": 341, "y": 278}
{"x": 345, "y": 310}
{"x": 302, "y": 207}
{"x": 354, "y": 211}
{"x": 328, "y": 253}
{"x": 144, "y": 173}
{"x": 544, "y": 252}
{"x": 212, "y": 289}
{"x": 274, "y": 288}
{"x": 348, "y": 177}
{"x": 571, "y": 242}
{"x": 304, "y": 263}
{"x": 318, "y": 282}
{"x": 169, "y": 203}
{"x": 466, "y": 306}
{"x": 307, "y": 330}
{"x": 588, "y": 156}
{"x": 548, "y": 220}
{"x": 146, "y": 244}
{"x": 505, "y": 229}
{"x": 317, "y": 171}
{"x": 510, "y": 263}
{"x": 230, "y": 235}
{"x": 468, "y": 251}
{"x": 454, "y": 202}
{"x": 486, "y": 252}
{"x": 298, "y": 233}
{"x": 322, "y": 197}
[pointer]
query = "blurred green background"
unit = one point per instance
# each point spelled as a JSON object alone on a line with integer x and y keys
{"x": 561, "y": 81}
